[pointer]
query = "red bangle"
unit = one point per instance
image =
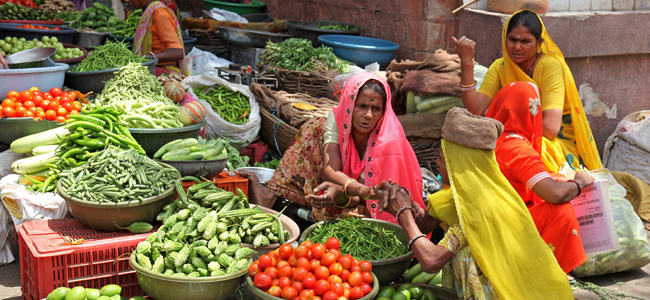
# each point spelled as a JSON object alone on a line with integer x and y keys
{"x": 401, "y": 210}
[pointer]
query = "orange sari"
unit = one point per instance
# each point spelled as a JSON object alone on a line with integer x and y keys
{"x": 518, "y": 150}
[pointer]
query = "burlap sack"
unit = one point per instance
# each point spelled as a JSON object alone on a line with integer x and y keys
{"x": 464, "y": 128}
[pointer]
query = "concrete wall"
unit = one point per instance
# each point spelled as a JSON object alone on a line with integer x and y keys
{"x": 418, "y": 26}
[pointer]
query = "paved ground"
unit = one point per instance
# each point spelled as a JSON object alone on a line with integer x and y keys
{"x": 635, "y": 283}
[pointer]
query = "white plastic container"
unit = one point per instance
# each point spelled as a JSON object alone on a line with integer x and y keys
{"x": 22, "y": 79}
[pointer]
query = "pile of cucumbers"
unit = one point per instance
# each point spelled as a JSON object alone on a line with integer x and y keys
{"x": 405, "y": 292}
{"x": 192, "y": 149}
{"x": 108, "y": 292}
{"x": 416, "y": 275}
{"x": 10, "y": 11}
{"x": 98, "y": 18}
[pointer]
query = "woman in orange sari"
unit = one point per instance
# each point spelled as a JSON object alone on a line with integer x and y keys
{"x": 518, "y": 149}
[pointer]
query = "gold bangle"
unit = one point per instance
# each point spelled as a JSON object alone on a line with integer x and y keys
{"x": 346, "y": 205}
{"x": 469, "y": 85}
{"x": 345, "y": 187}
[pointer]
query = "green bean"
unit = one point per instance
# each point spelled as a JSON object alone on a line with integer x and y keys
{"x": 108, "y": 56}
{"x": 232, "y": 106}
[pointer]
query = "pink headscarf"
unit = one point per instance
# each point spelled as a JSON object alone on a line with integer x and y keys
{"x": 388, "y": 154}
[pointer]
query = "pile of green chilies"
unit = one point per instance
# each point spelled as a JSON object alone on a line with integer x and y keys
{"x": 131, "y": 24}
{"x": 361, "y": 239}
{"x": 117, "y": 175}
{"x": 108, "y": 56}
{"x": 232, "y": 106}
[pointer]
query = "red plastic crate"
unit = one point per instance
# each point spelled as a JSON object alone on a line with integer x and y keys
{"x": 46, "y": 264}
{"x": 255, "y": 152}
{"x": 228, "y": 183}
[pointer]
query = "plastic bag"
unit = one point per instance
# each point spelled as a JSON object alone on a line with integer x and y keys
{"x": 240, "y": 135}
{"x": 635, "y": 250}
{"x": 27, "y": 206}
{"x": 335, "y": 87}
{"x": 5, "y": 250}
{"x": 203, "y": 62}
{"x": 224, "y": 15}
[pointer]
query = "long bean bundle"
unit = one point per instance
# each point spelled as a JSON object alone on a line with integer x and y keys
{"x": 140, "y": 96}
{"x": 232, "y": 106}
{"x": 108, "y": 56}
{"x": 361, "y": 239}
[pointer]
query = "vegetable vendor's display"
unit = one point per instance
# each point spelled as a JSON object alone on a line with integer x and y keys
{"x": 140, "y": 97}
{"x": 300, "y": 55}
{"x": 67, "y": 16}
{"x": 405, "y": 292}
{"x": 116, "y": 175}
{"x": 368, "y": 242}
{"x": 99, "y": 18}
{"x": 57, "y": 6}
{"x": 54, "y": 105}
{"x": 329, "y": 274}
{"x": 235, "y": 160}
{"x": 192, "y": 149}
{"x": 108, "y": 56}
{"x": 12, "y": 45}
{"x": 416, "y": 275}
{"x": 79, "y": 293}
{"x": 232, "y": 106}
{"x": 10, "y": 11}
{"x": 130, "y": 24}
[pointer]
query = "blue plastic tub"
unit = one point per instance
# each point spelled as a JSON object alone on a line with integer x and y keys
{"x": 360, "y": 50}
{"x": 64, "y": 35}
{"x": 44, "y": 78}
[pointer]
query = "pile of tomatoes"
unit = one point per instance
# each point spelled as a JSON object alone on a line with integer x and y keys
{"x": 25, "y": 3}
{"x": 28, "y": 26}
{"x": 54, "y": 105}
{"x": 312, "y": 272}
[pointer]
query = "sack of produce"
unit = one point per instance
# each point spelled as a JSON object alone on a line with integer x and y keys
{"x": 25, "y": 205}
{"x": 227, "y": 115}
{"x": 635, "y": 250}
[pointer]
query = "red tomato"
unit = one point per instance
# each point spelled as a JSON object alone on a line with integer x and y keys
{"x": 40, "y": 110}
{"x": 13, "y": 95}
{"x": 344, "y": 275}
{"x": 33, "y": 110}
{"x": 298, "y": 286}
{"x": 285, "y": 251}
{"x": 292, "y": 260}
{"x": 334, "y": 278}
{"x": 328, "y": 259}
{"x": 316, "y": 298}
{"x": 366, "y": 288}
{"x": 308, "y": 244}
{"x": 271, "y": 271}
{"x": 338, "y": 288}
{"x": 309, "y": 255}
{"x": 74, "y": 112}
{"x": 346, "y": 262}
{"x": 309, "y": 281}
{"x": 56, "y": 92}
{"x": 315, "y": 263}
{"x": 318, "y": 250}
{"x": 357, "y": 262}
{"x": 273, "y": 254}
{"x": 8, "y": 112}
{"x": 306, "y": 295}
{"x": 322, "y": 273}
{"x": 65, "y": 99}
{"x": 47, "y": 96}
{"x": 9, "y": 102}
{"x": 20, "y": 112}
{"x": 61, "y": 111}
{"x": 355, "y": 269}
{"x": 45, "y": 104}
{"x": 366, "y": 266}
{"x": 253, "y": 269}
{"x": 330, "y": 296}
{"x": 77, "y": 105}
{"x": 355, "y": 279}
{"x": 40, "y": 115}
{"x": 50, "y": 115}
{"x": 333, "y": 243}
{"x": 24, "y": 96}
{"x": 262, "y": 281}
{"x": 285, "y": 271}
{"x": 347, "y": 286}
{"x": 29, "y": 114}
{"x": 336, "y": 269}
{"x": 68, "y": 106}
{"x": 301, "y": 251}
{"x": 336, "y": 252}
{"x": 356, "y": 293}
{"x": 37, "y": 100}
{"x": 281, "y": 264}
{"x": 299, "y": 273}
{"x": 288, "y": 293}
{"x": 366, "y": 277}
{"x": 266, "y": 262}
{"x": 321, "y": 287}
{"x": 284, "y": 281}
{"x": 34, "y": 88}
{"x": 72, "y": 95}
{"x": 57, "y": 28}
{"x": 303, "y": 262}
{"x": 53, "y": 105}
{"x": 18, "y": 104}
{"x": 60, "y": 119}
{"x": 274, "y": 282}
{"x": 274, "y": 291}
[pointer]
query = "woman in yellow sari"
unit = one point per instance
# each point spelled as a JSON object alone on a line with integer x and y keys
{"x": 530, "y": 55}
{"x": 491, "y": 249}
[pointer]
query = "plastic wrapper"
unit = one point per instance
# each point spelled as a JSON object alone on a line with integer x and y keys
{"x": 635, "y": 250}
{"x": 203, "y": 62}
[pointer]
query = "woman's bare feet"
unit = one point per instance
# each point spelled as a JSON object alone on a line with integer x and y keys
{"x": 258, "y": 193}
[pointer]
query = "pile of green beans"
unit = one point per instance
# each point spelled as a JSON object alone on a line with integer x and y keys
{"x": 361, "y": 239}
{"x": 117, "y": 175}
{"x": 232, "y": 106}
{"x": 131, "y": 24}
{"x": 108, "y": 56}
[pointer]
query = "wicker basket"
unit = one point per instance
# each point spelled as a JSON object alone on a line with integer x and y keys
{"x": 274, "y": 129}
{"x": 313, "y": 84}
{"x": 427, "y": 152}
{"x": 211, "y": 41}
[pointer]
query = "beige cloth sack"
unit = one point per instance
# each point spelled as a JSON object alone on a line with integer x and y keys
{"x": 464, "y": 128}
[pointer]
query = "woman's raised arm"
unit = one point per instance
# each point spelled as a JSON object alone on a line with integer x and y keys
{"x": 474, "y": 101}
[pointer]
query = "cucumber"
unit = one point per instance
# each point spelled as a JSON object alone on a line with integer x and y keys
{"x": 33, "y": 163}
{"x": 101, "y": 18}
{"x": 189, "y": 142}
{"x": 423, "y": 277}
{"x": 436, "y": 101}
{"x": 412, "y": 272}
{"x": 44, "y": 149}
{"x": 207, "y": 153}
{"x": 88, "y": 24}
{"x": 444, "y": 108}
{"x": 100, "y": 28}
{"x": 181, "y": 151}
{"x": 49, "y": 137}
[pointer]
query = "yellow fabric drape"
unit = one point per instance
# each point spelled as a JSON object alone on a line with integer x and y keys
{"x": 584, "y": 140}
{"x": 500, "y": 231}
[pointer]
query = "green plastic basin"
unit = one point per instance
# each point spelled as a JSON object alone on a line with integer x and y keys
{"x": 241, "y": 9}
{"x": 152, "y": 139}
{"x": 164, "y": 287}
{"x": 387, "y": 270}
{"x": 261, "y": 295}
{"x": 15, "y": 128}
{"x": 440, "y": 292}
{"x": 104, "y": 216}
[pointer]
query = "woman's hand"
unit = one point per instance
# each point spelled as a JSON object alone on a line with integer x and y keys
{"x": 326, "y": 199}
{"x": 465, "y": 48}
{"x": 393, "y": 197}
{"x": 584, "y": 179}
{"x": 3, "y": 62}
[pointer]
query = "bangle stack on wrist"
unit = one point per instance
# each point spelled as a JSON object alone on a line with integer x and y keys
{"x": 415, "y": 212}
{"x": 467, "y": 88}
{"x": 345, "y": 191}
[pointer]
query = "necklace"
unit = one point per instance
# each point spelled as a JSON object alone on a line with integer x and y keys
{"x": 531, "y": 66}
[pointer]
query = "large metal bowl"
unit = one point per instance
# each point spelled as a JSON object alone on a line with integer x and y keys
{"x": 32, "y": 58}
{"x": 251, "y": 38}
{"x": 198, "y": 168}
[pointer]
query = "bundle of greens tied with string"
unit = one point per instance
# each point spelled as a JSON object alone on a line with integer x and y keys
{"x": 300, "y": 55}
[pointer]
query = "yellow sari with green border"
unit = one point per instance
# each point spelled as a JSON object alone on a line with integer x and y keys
{"x": 501, "y": 235}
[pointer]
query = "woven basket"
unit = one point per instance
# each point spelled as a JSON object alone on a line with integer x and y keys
{"x": 212, "y": 41}
{"x": 426, "y": 152}
{"x": 274, "y": 129}
{"x": 313, "y": 84}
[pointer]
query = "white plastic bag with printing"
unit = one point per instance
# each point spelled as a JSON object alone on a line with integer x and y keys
{"x": 240, "y": 135}
{"x": 28, "y": 206}
{"x": 203, "y": 62}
